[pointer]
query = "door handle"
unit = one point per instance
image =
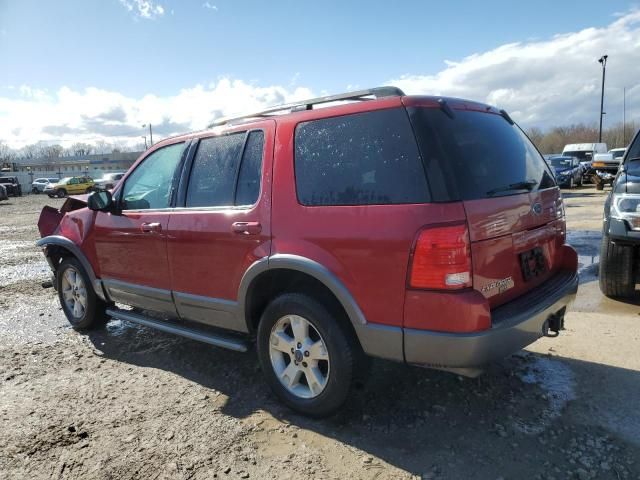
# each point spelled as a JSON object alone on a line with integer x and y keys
{"x": 151, "y": 227}
{"x": 246, "y": 228}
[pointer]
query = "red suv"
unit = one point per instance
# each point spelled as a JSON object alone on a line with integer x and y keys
{"x": 424, "y": 230}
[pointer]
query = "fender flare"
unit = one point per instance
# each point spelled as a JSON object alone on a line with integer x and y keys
{"x": 63, "y": 242}
{"x": 309, "y": 267}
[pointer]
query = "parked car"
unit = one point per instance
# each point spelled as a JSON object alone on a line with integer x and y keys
{"x": 619, "y": 251}
{"x": 12, "y": 185}
{"x": 39, "y": 184}
{"x": 3, "y": 193}
{"x": 69, "y": 186}
{"x": 567, "y": 170}
{"x": 108, "y": 181}
{"x": 423, "y": 230}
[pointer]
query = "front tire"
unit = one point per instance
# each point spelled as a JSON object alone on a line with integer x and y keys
{"x": 307, "y": 355}
{"x": 61, "y": 193}
{"x": 79, "y": 301}
{"x": 571, "y": 184}
{"x": 616, "y": 276}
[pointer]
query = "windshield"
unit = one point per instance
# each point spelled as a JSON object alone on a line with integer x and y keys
{"x": 582, "y": 155}
{"x": 65, "y": 180}
{"x": 560, "y": 162}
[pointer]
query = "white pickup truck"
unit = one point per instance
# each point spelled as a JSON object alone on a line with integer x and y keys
{"x": 605, "y": 166}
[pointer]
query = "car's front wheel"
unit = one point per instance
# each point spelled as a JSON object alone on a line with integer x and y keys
{"x": 61, "y": 193}
{"x": 80, "y": 304}
{"x": 616, "y": 275}
{"x": 307, "y": 355}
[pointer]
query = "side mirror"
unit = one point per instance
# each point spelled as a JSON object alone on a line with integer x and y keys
{"x": 100, "y": 201}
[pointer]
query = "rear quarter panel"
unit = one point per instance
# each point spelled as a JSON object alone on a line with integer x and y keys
{"x": 366, "y": 247}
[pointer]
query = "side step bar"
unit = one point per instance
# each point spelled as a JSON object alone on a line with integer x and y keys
{"x": 219, "y": 340}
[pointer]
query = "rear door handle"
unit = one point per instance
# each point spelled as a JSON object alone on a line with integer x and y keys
{"x": 246, "y": 228}
{"x": 151, "y": 227}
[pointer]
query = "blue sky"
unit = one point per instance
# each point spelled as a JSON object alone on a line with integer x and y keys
{"x": 314, "y": 47}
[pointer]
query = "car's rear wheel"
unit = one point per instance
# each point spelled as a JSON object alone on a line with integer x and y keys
{"x": 89, "y": 190}
{"x": 307, "y": 356}
{"x": 80, "y": 304}
{"x": 61, "y": 193}
{"x": 616, "y": 276}
{"x": 571, "y": 184}
{"x": 35, "y": 190}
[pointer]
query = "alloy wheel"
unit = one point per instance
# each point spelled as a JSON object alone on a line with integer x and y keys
{"x": 299, "y": 356}
{"x": 74, "y": 292}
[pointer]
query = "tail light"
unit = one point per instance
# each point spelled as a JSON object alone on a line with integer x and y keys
{"x": 442, "y": 259}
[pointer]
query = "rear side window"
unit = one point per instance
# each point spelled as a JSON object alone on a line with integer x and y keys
{"x": 213, "y": 175}
{"x": 477, "y": 155}
{"x": 361, "y": 159}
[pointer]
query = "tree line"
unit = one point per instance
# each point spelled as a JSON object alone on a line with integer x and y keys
{"x": 50, "y": 153}
{"x": 554, "y": 139}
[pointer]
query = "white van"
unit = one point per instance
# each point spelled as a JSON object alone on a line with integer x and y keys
{"x": 584, "y": 151}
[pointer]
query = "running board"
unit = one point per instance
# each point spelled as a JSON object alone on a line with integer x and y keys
{"x": 217, "y": 339}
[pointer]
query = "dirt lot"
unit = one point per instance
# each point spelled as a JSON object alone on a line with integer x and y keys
{"x": 128, "y": 402}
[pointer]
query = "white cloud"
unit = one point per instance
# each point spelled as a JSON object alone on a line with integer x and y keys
{"x": 209, "y": 6}
{"x": 143, "y": 8}
{"x": 93, "y": 114}
{"x": 551, "y": 82}
{"x": 542, "y": 83}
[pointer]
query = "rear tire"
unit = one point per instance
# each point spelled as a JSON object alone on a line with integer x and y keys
{"x": 571, "y": 184}
{"x": 79, "y": 301}
{"x": 617, "y": 276}
{"x": 296, "y": 384}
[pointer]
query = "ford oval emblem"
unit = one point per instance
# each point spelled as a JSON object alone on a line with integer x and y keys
{"x": 536, "y": 208}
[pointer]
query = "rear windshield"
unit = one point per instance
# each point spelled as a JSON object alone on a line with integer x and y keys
{"x": 477, "y": 155}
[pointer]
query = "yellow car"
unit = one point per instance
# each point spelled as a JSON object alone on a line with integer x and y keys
{"x": 69, "y": 186}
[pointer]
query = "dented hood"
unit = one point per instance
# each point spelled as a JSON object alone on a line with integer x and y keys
{"x": 50, "y": 217}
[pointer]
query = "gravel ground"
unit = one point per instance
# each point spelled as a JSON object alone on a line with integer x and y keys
{"x": 128, "y": 402}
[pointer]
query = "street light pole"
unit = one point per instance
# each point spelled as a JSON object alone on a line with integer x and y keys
{"x": 624, "y": 116}
{"x": 145, "y": 141}
{"x": 602, "y": 60}
{"x": 150, "y": 134}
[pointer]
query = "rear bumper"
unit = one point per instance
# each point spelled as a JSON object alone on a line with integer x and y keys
{"x": 514, "y": 326}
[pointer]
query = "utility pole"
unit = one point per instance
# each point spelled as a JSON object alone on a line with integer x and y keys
{"x": 150, "y": 134}
{"x": 145, "y": 141}
{"x": 624, "y": 116}
{"x": 603, "y": 61}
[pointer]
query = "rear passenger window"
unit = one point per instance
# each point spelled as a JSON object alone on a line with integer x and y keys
{"x": 361, "y": 159}
{"x": 213, "y": 175}
{"x": 250, "y": 170}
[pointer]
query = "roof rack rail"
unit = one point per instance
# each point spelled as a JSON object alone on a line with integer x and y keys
{"x": 378, "y": 92}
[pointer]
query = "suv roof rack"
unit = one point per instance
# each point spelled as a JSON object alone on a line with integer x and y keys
{"x": 360, "y": 95}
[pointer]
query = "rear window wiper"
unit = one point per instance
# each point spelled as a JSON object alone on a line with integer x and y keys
{"x": 524, "y": 185}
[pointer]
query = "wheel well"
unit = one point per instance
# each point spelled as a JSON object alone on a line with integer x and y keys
{"x": 57, "y": 253}
{"x": 272, "y": 283}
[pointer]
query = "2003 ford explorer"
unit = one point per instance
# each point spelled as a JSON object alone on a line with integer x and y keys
{"x": 419, "y": 229}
